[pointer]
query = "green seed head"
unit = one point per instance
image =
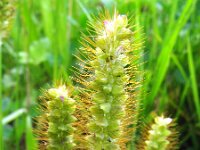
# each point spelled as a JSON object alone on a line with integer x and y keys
{"x": 111, "y": 82}
{"x": 7, "y": 11}
{"x": 158, "y": 134}
{"x": 58, "y": 112}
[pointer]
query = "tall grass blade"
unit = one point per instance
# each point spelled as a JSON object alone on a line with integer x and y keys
{"x": 30, "y": 140}
{"x": 84, "y": 9}
{"x": 164, "y": 57}
{"x": 193, "y": 80}
{"x": 1, "y": 113}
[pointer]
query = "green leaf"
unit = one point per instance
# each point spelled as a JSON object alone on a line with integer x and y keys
{"x": 39, "y": 50}
{"x": 30, "y": 140}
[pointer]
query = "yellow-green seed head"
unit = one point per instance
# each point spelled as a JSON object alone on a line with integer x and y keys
{"x": 58, "y": 111}
{"x": 110, "y": 77}
{"x": 158, "y": 134}
{"x": 7, "y": 10}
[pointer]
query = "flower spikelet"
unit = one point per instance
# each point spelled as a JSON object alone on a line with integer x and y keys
{"x": 109, "y": 75}
{"x": 56, "y": 123}
{"x": 161, "y": 135}
{"x": 6, "y": 16}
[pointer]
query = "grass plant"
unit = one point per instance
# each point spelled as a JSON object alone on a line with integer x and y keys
{"x": 44, "y": 36}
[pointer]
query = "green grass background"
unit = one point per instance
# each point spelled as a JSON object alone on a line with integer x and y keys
{"x": 46, "y": 34}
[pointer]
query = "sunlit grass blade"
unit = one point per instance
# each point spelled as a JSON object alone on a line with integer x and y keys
{"x": 31, "y": 143}
{"x": 13, "y": 116}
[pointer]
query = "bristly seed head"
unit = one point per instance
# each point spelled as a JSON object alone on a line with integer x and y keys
{"x": 59, "y": 109}
{"x": 111, "y": 86}
{"x": 158, "y": 134}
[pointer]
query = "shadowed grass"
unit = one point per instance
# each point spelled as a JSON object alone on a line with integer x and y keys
{"x": 193, "y": 79}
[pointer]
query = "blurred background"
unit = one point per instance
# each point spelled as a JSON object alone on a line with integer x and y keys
{"x": 46, "y": 34}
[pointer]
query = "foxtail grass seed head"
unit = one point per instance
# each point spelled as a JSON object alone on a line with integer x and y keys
{"x": 7, "y": 11}
{"x": 109, "y": 80}
{"x": 158, "y": 134}
{"x": 59, "y": 115}
{"x": 109, "y": 77}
